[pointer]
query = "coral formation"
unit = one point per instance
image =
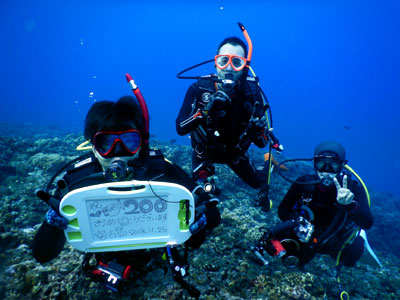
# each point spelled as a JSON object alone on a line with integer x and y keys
{"x": 223, "y": 268}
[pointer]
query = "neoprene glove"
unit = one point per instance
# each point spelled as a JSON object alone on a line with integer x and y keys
{"x": 218, "y": 97}
{"x": 54, "y": 219}
{"x": 344, "y": 195}
{"x": 257, "y": 124}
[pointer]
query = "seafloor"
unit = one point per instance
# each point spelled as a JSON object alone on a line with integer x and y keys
{"x": 223, "y": 268}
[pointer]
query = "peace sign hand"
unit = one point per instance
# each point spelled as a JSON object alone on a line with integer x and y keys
{"x": 344, "y": 195}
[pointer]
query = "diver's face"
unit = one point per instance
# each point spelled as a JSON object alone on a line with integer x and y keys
{"x": 327, "y": 168}
{"x": 230, "y": 50}
{"x": 109, "y": 146}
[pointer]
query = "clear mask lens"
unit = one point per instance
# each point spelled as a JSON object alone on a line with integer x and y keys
{"x": 237, "y": 62}
{"x": 222, "y": 61}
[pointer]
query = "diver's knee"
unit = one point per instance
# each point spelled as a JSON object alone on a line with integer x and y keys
{"x": 352, "y": 253}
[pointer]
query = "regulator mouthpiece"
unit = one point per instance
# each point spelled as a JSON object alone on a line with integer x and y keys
{"x": 228, "y": 82}
{"x": 117, "y": 171}
{"x": 326, "y": 178}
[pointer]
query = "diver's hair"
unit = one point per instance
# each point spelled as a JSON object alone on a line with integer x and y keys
{"x": 114, "y": 116}
{"x": 233, "y": 40}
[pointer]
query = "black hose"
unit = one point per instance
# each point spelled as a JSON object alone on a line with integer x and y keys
{"x": 269, "y": 106}
{"x": 278, "y": 168}
{"x": 179, "y": 75}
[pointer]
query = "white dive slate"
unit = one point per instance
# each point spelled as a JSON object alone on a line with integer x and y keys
{"x": 127, "y": 215}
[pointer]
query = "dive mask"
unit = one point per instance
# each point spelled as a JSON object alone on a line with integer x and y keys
{"x": 328, "y": 164}
{"x": 121, "y": 143}
{"x": 237, "y": 63}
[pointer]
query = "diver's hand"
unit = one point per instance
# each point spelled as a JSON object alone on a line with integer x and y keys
{"x": 218, "y": 96}
{"x": 258, "y": 124}
{"x": 263, "y": 199}
{"x": 54, "y": 219}
{"x": 344, "y": 195}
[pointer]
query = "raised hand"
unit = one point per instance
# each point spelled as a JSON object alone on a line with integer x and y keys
{"x": 344, "y": 195}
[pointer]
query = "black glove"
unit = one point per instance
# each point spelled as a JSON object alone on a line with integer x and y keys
{"x": 54, "y": 219}
{"x": 257, "y": 123}
{"x": 263, "y": 199}
{"x": 216, "y": 100}
{"x": 257, "y": 126}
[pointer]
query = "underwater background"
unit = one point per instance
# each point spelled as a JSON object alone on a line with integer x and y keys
{"x": 330, "y": 70}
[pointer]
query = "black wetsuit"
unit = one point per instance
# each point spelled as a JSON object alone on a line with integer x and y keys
{"x": 49, "y": 240}
{"x": 333, "y": 223}
{"x": 215, "y": 137}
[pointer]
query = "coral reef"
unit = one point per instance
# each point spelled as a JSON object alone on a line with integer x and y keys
{"x": 223, "y": 268}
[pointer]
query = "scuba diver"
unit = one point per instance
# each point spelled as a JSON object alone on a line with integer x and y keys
{"x": 323, "y": 213}
{"x": 118, "y": 132}
{"x": 225, "y": 114}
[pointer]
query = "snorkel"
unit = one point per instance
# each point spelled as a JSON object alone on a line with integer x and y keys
{"x": 143, "y": 107}
{"x": 249, "y": 45}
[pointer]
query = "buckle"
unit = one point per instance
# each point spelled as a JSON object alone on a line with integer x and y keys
{"x": 111, "y": 275}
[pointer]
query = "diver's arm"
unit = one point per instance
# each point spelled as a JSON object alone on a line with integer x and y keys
{"x": 189, "y": 117}
{"x": 285, "y": 209}
{"x": 204, "y": 203}
{"x": 48, "y": 243}
{"x": 259, "y": 138}
{"x": 360, "y": 211}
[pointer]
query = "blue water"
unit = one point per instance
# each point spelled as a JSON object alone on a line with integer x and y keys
{"x": 329, "y": 68}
